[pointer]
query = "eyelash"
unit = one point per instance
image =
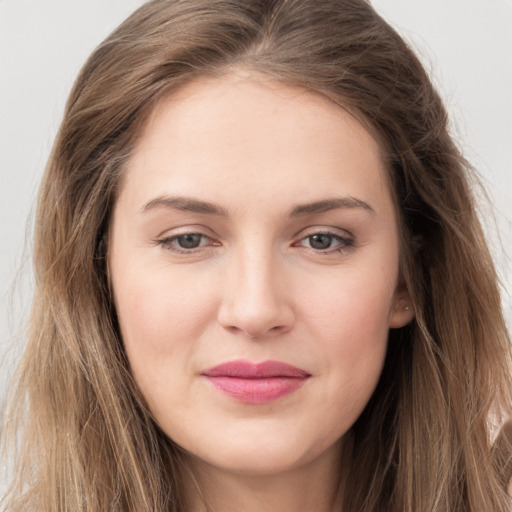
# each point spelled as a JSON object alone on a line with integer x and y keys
{"x": 344, "y": 243}
{"x": 168, "y": 243}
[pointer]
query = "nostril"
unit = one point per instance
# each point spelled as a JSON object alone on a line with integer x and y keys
{"x": 257, "y": 332}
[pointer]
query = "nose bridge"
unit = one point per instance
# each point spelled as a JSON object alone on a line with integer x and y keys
{"x": 254, "y": 299}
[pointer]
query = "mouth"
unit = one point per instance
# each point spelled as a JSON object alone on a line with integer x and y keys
{"x": 256, "y": 383}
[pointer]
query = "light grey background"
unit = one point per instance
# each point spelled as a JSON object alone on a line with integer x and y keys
{"x": 466, "y": 44}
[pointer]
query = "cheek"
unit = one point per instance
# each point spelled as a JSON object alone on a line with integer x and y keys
{"x": 163, "y": 317}
{"x": 350, "y": 325}
{"x": 358, "y": 339}
{"x": 160, "y": 309}
{"x": 355, "y": 306}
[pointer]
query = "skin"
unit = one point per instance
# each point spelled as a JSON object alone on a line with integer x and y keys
{"x": 258, "y": 286}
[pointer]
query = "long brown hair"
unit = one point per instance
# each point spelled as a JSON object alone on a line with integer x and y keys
{"x": 86, "y": 441}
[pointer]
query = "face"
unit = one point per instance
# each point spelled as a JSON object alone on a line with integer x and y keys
{"x": 254, "y": 261}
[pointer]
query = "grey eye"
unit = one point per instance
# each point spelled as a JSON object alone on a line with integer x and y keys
{"x": 189, "y": 241}
{"x": 321, "y": 241}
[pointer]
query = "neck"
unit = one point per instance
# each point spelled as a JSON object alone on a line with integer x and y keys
{"x": 313, "y": 486}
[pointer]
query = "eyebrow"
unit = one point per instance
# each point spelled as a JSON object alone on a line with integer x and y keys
{"x": 327, "y": 205}
{"x": 189, "y": 204}
{"x": 186, "y": 204}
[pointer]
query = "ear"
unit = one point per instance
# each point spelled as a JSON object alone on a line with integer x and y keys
{"x": 402, "y": 311}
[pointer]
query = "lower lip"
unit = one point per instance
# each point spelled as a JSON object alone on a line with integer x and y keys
{"x": 257, "y": 391}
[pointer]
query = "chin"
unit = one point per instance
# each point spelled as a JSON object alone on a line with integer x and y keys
{"x": 261, "y": 454}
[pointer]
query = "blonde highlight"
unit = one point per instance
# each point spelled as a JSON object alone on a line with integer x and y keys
{"x": 88, "y": 441}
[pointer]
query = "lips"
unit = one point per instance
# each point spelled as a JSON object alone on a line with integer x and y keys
{"x": 256, "y": 383}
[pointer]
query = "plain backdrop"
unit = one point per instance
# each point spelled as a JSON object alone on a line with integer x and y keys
{"x": 466, "y": 45}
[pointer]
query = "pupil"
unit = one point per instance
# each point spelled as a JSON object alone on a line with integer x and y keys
{"x": 320, "y": 241}
{"x": 189, "y": 241}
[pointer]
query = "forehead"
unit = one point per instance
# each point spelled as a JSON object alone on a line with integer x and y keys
{"x": 243, "y": 133}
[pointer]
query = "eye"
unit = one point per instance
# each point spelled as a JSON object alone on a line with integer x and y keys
{"x": 321, "y": 241}
{"x": 186, "y": 242}
{"x": 326, "y": 242}
{"x": 190, "y": 240}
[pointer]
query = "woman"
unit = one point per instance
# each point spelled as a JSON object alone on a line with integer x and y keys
{"x": 261, "y": 281}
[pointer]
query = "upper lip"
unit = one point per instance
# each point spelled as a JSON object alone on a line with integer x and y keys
{"x": 246, "y": 370}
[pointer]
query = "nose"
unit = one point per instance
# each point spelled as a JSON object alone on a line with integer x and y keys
{"x": 256, "y": 300}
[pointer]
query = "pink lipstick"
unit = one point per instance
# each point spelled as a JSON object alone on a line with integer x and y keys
{"x": 256, "y": 383}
